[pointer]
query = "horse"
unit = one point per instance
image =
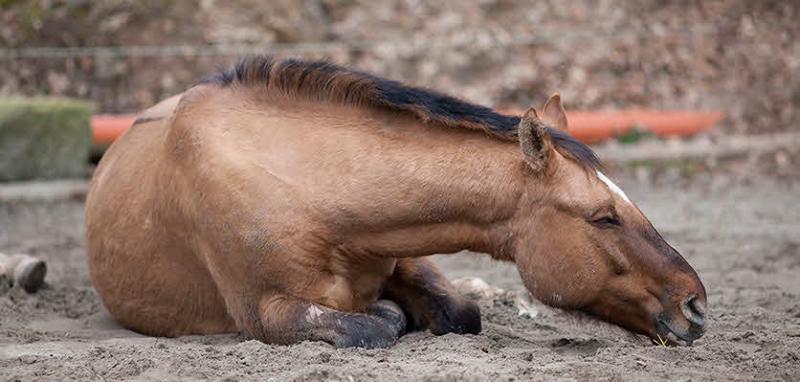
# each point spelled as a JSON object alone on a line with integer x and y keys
{"x": 293, "y": 200}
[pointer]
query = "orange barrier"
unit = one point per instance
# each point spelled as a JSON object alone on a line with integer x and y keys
{"x": 588, "y": 126}
{"x": 106, "y": 128}
{"x": 594, "y": 126}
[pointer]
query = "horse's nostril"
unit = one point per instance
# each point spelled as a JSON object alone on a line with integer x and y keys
{"x": 698, "y": 307}
{"x": 694, "y": 310}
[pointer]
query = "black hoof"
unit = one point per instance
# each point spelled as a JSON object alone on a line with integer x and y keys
{"x": 390, "y": 313}
{"x": 366, "y": 332}
{"x": 461, "y": 317}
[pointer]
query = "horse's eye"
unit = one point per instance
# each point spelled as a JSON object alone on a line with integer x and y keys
{"x": 606, "y": 221}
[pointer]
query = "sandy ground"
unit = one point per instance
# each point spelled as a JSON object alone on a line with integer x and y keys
{"x": 743, "y": 239}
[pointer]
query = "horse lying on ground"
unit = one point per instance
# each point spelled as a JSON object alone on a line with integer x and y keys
{"x": 294, "y": 200}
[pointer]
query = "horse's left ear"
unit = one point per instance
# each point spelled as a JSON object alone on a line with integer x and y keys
{"x": 535, "y": 141}
{"x": 553, "y": 113}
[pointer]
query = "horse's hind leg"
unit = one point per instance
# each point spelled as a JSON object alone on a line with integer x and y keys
{"x": 429, "y": 300}
{"x": 285, "y": 320}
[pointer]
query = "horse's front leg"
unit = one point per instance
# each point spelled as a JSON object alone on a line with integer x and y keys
{"x": 287, "y": 320}
{"x": 429, "y": 299}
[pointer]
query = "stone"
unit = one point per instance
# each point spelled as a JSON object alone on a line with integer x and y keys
{"x": 24, "y": 271}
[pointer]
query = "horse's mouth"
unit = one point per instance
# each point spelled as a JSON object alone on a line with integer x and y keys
{"x": 666, "y": 335}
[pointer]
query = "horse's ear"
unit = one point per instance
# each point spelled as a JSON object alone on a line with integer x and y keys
{"x": 535, "y": 140}
{"x": 553, "y": 113}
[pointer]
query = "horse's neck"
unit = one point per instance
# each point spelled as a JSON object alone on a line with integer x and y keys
{"x": 388, "y": 184}
{"x": 463, "y": 186}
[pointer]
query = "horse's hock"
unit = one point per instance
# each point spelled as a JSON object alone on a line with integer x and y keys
{"x": 43, "y": 138}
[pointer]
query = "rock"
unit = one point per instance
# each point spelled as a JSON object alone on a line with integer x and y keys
{"x": 525, "y": 305}
{"x": 476, "y": 289}
{"x": 24, "y": 271}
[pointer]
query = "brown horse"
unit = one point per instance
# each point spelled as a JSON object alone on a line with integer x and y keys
{"x": 293, "y": 200}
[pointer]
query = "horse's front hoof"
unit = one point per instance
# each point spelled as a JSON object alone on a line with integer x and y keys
{"x": 366, "y": 332}
{"x": 391, "y": 313}
{"x": 457, "y": 316}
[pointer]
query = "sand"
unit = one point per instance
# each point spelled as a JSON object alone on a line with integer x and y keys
{"x": 743, "y": 239}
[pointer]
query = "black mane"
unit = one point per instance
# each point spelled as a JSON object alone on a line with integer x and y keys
{"x": 326, "y": 81}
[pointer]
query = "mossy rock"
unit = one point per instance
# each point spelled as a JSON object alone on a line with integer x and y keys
{"x": 43, "y": 138}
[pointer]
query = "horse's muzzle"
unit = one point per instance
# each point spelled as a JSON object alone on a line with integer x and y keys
{"x": 684, "y": 333}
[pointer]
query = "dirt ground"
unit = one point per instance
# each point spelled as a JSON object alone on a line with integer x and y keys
{"x": 743, "y": 239}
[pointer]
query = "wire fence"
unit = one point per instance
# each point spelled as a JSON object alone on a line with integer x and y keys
{"x": 571, "y": 36}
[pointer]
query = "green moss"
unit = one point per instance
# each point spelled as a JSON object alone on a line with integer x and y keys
{"x": 687, "y": 167}
{"x": 634, "y": 135}
{"x": 43, "y": 138}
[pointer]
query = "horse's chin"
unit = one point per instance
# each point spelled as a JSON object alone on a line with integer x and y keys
{"x": 666, "y": 335}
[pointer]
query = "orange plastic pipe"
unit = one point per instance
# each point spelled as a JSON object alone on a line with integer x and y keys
{"x": 594, "y": 126}
{"x": 106, "y": 128}
{"x": 588, "y": 126}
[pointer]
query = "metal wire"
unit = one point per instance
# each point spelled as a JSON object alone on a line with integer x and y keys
{"x": 544, "y": 37}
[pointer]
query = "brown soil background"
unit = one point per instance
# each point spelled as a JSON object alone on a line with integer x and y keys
{"x": 742, "y": 238}
{"x": 740, "y": 56}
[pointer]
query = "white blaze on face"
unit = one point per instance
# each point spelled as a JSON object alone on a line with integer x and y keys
{"x": 613, "y": 186}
